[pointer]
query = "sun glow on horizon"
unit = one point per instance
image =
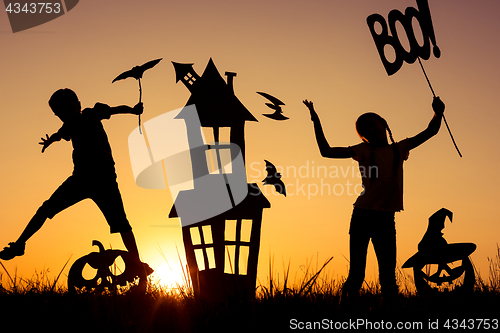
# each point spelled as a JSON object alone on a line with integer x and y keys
{"x": 168, "y": 277}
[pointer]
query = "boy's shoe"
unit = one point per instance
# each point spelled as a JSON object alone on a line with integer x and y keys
{"x": 148, "y": 269}
{"x": 140, "y": 267}
{"x": 13, "y": 250}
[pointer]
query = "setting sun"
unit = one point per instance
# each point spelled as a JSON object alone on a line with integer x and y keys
{"x": 168, "y": 276}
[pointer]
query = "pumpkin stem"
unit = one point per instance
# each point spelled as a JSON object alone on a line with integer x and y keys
{"x": 99, "y": 245}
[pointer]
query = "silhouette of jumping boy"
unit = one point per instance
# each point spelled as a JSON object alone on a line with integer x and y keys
{"x": 93, "y": 175}
{"x": 381, "y": 168}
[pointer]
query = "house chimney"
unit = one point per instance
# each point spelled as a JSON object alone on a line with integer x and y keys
{"x": 230, "y": 77}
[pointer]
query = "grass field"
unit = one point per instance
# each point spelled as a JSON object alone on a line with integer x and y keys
{"x": 37, "y": 304}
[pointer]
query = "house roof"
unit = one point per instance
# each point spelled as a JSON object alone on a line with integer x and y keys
{"x": 253, "y": 204}
{"x": 181, "y": 70}
{"x": 215, "y": 101}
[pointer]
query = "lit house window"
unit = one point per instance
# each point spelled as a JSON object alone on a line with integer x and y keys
{"x": 217, "y": 157}
{"x": 189, "y": 79}
{"x": 218, "y": 153}
{"x": 201, "y": 237}
{"x": 237, "y": 246}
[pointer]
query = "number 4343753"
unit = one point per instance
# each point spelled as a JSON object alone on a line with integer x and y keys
{"x": 33, "y": 8}
{"x": 484, "y": 324}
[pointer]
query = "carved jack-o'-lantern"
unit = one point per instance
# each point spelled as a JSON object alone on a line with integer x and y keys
{"x": 105, "y": 277}
{"x": 434, "y": 251}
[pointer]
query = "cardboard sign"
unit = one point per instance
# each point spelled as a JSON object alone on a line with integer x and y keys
{"x": 382, "y": 39}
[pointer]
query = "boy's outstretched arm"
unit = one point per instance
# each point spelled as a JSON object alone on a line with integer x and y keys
{"x": 49, "y": 140}
{"x": 121, "y": 109}
{"x": 125, "y": 109}
{"x": 433, "y": 127}
{"x": 324, "y": 147}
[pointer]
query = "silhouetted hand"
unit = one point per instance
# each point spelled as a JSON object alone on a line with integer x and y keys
{"x": 46, "y": 142}
{"x": 438, "y": 106}
{"x": 310, "y": 106}
{"x": 138, "y": 108}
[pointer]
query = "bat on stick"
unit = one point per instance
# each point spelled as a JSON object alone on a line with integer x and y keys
{"x": 137, "y": 72}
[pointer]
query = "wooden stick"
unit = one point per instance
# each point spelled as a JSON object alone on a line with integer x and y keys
{"x": 444, "y": 118}
{"x": 140, "y": 97}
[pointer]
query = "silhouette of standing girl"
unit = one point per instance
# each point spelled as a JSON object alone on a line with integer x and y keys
{"x": 381, "y": 168}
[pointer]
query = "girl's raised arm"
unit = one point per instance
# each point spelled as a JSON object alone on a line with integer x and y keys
{"x": 433, "y": 127}
{"x": 324, "y": 147}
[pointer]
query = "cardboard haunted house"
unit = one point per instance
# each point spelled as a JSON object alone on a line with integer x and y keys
{"x": 220, "y": 214}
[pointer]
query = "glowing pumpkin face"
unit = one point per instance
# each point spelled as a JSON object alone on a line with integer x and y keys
{"x": 434, "y": 251}
{"x": 105, "y": 277}
{"x": 440, "y": 277}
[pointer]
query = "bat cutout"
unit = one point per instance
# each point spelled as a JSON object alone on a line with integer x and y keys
{"x": 275, "y": 105}
{"x": 274, "y": 178}
{"x": 137, "y": 73}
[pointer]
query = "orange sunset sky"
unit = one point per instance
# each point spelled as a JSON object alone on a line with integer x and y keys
{"x": 320, "y": 50}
